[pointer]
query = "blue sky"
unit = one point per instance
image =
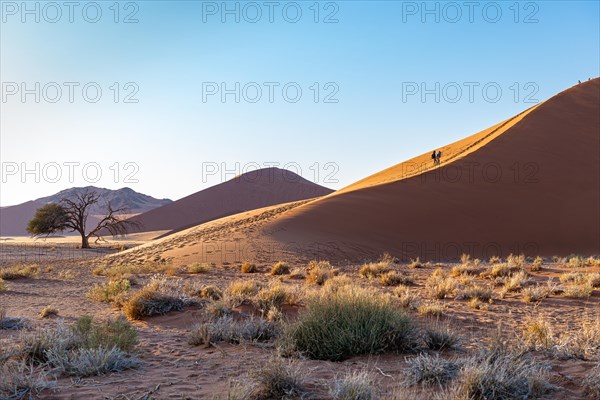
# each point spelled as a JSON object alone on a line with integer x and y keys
{"x": 364, "y": 118}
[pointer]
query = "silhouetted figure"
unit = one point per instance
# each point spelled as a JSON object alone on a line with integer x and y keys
{"x": 579, "y": 81}
{"x": 433, "y": 158}
{"x": 439, "y": 157}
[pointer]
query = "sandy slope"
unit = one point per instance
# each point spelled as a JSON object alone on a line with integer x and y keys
{"x": 530, "y": 184}
{"x": 255, "y": 189}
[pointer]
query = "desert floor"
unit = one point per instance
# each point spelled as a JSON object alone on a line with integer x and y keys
{"x": 172, "y": 368}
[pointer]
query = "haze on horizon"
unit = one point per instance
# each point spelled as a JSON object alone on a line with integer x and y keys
{"x": 162, "y": 127}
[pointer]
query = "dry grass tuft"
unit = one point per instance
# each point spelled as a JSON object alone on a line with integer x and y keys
{"x": 431, "y": 309}
{"x": 440, "y": 286}
{"x": 226, "y": 329}
{"x": 319, "y": 272}
{"x": 591, "y": 382}
{"x": 439, "y": 336}
{"x": 248, "y": 268}
{"x": 48, "y": 311}
{"x": 109, "y": 292}
{"x": 242, "y": 291}
{"x": 393, "y": 278}
{"x": 355, "y": 385}
{"x": 199, "y": 268}
{"x": 374, "y": 270}
{"x": 10, "y": 323}
{"x": 278, "y": 379}
{"x": 430, "y": 370}
{"x": 158, "y": 297}
{"x": 19, "y": 272}
{"x": 20, "y": 381}
{"x": 280, "y": 268}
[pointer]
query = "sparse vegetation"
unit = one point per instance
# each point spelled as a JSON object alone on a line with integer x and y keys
{"x": 393, "y": 278}
{"x": 10, "y": 323}
{"x": 440, "y": 286}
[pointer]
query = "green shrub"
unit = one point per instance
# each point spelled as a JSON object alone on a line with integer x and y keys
{"x": 349, "y": 321}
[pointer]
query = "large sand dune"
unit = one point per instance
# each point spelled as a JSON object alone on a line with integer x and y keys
{"x": 252, "y": 190}
{"x": 530, "y": 184}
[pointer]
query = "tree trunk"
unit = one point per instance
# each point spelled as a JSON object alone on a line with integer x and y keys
{"x": 84, "y": 242}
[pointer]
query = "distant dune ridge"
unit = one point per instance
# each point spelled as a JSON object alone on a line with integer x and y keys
{"x": 530, "y": 184}
{"x": 13, "y": 219}
{"x": 249, "y": 191}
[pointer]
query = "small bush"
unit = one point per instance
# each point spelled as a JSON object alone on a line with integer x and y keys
{"x": 440, "y": 287}
{"x": 356, "y": 385}
{"x": 319, "y": 272}
{"x": 591, "y": 382}
{"x": 112, "y": 333}
{"x": 537, "y": 264}
{"x": 428, "y": 370}
{"x": 577, "y": 262}
{"x": 219, "y": 308}
{"x": 211, "y": 292}
{"x": 198, "y": 268}
{"x": 19, "y": 381}
{"x": 515, "y": 261}
{"x": 480, "y": 293}
{"x": 502, "y": 375}
{"x": 534, "y": 294}
{"x": 109, "y": 292}
{"x": 48, "y": 311}
{"x": 350, "y": 321}
{"x": 516, "y": 281}
{"x": 416, "y": 263}
{"x": 373, "y": 270}
{"x": 10, "y": 323}
{"x": 393, "y": 278}
{"x": 3, "y": 285}
{"x": 578, "y": 291}
{"x": 438, "y": 336}
{"x": 431, "y": 309}
{"x": 19, "y": 272}
{"x": 242, "y": 291}
{"x": 500, "y": 271}
{"x": 95, "y": 361}
{"x": 226, "y": 329}
{"x": 248, "y": 268}
{"x": 159, "y": 297}
{"x": 278, "y": 379}
{"x": 407, "y": 298}
{"x": 280, "y": 268}
{"x": 537, "y": 334}
{"x": 272, "y": 297}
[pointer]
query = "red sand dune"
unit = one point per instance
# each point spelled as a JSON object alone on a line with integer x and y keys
{"x": 252, "y": 190}
{"x": 528, "y": 185}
